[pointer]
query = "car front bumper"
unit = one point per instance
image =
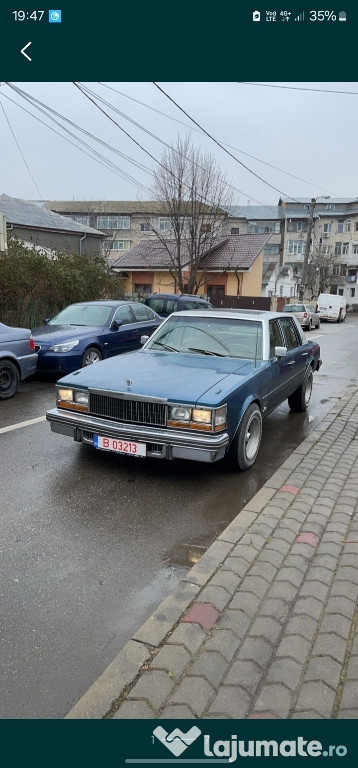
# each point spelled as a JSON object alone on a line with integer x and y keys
{"x": 161, "y": 443}
{"x": 57, "y": 362}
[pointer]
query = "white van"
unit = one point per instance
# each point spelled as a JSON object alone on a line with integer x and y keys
{"x": 333, "y": 308}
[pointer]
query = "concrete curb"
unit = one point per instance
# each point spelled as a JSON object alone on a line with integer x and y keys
{"x": 105, "y": 693}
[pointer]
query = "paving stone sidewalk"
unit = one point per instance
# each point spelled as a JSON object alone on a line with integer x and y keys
{"x": 265, "y": 624}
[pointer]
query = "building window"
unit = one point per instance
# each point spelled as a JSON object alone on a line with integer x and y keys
{"x": 330, "y": 207}
{"x": 142, "y": 288}
{"x": 353, "y": 292}
{"x": 356, "y": 226}
{"x": 338, "y": 249}
{"x": 145, "y": 227}
{"x": 347, "y": 225}
{"x": 355, "y": 249}
{"x": 113, "y": 222}
{"x": 82, "y": 219}
{"x": 271, "y": 249}
{"x": 118, "y": 245}
{"x": 235, "y": 230}
{"x": 345, "y": 249}
{"x": 340, "y": 226}
{"x": 263, "y": 227}
{"x": 296, "y": 246}
{"x": 326, "y": 250}
{"x": 336, "y": 271}
{"x": 216, "y": 290}
{"x": 164, "y": 224}
{"x": 327, "y": 229}
{"x": 297, "y": 226}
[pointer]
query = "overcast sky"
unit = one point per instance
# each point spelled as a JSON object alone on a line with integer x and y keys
{"x": 309, "y": 135}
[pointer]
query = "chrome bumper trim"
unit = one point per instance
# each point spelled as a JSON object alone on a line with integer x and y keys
{"x": 134, "y": 432}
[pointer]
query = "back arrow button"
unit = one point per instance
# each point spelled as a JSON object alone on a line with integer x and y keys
{"x": 24, "y": 49}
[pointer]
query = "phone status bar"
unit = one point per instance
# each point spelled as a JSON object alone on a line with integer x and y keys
{"x": 294, "y": 16}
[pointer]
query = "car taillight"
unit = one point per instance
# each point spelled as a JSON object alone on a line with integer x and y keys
{"x": 32, "y": 343}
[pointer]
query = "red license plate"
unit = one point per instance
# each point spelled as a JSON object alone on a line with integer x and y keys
{"x": 119, "y": 446}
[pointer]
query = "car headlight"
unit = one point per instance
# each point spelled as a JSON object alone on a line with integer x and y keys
{"x": 65, "y": 347}
{"x": 75, "y": 399}
{"x": 180, "y": 413}
{"x": 205, "y": 419}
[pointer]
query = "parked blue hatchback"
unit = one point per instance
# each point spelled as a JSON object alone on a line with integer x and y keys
{"x": 88, "y": 332}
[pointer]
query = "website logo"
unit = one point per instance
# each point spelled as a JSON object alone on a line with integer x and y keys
{"x": 176, "y": 741}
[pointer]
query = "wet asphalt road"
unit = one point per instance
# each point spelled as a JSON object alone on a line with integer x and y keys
{"x": 91, "y": 542}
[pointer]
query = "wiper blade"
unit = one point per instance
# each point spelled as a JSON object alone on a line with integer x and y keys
{"x": 166, "y": 346}
{"x": 206, "y": 352}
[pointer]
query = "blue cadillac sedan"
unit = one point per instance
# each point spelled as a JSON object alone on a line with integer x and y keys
{"x": 88, "y": 332}
{"x": 198, "y": 389}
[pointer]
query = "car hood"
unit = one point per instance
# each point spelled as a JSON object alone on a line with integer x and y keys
{"x": 49, "y": 334}
{"x": 175, "y": 377}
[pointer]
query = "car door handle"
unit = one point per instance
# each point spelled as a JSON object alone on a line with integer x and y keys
{"x": 292, "y": 362}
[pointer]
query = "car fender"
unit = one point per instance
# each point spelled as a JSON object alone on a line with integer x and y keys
{"x": 7, "y": 355}
{"x": 250, "y": 398}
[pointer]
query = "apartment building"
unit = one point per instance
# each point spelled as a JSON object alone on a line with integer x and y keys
{"x": 334, "y": 234}
{"x": 125, "y": 223}
{"x": 334, "y": 237}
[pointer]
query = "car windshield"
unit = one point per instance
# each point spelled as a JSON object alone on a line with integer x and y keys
{"x": 82, "y": 314}
{"x": 220, "y": 336}
{"x": 294, "y": 308}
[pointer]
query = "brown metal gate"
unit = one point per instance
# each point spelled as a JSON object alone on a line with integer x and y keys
{"x": 240, "y": 302}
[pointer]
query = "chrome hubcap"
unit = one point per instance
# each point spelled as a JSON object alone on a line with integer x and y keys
{"x": 252, "y": 437}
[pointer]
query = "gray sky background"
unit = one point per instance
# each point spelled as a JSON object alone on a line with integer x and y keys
{"x": 308, "y": 134}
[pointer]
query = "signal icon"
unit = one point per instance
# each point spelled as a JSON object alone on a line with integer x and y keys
{"x": 300, "y": 17}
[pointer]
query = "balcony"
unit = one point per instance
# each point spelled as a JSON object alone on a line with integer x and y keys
{"x": 351, "y": 278}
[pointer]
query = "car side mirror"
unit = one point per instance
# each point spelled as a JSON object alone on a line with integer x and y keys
{"x": 46, "y": 320}
{"x": 116, "y": 324}
{"x": 280, "y": 351}
{"x": 143, "y": 339}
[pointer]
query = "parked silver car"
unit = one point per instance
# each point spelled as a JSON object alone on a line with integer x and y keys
{"x": 18, "y": 358}
{"x": 305, "y": 313}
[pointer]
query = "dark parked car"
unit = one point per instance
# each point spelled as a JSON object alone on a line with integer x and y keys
{"x": 87, "y": 332}
{"x": 306, "y": 315}
{"x": 198, "y": 389}
{"x": 166, "y": 303}
{"x": 17, "y": 358}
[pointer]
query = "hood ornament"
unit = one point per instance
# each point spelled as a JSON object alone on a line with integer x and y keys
{"x": 128, "y": 382}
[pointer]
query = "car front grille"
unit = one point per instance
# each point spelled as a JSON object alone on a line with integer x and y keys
{"x": 131, "y": 411}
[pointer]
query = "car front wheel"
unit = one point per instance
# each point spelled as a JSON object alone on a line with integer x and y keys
{"x": 299, "y": 400}
{"x": 91, "y": 355}
{"x": 9, "y": 379}
{"x": 246, "y": 443}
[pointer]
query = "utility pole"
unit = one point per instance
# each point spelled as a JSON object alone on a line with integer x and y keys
{"x": 308, "y": 247}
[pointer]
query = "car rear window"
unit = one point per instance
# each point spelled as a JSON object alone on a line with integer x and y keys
{"x": 293, "y": 308}
{"x": 197, "y": 305}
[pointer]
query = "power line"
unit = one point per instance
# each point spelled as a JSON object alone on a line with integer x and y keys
{"x": 222, "y": 147}
{"x": 157, "y": 138}
{"x": 299, "y": 88}
{"x": 225, "y": 144}
{"x": 23, "y": 156}
{"x": 93, "y": 154}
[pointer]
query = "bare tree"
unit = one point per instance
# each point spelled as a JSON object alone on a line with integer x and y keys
{"x": 320, "y": 272}
{"x": 195, "y": 195}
